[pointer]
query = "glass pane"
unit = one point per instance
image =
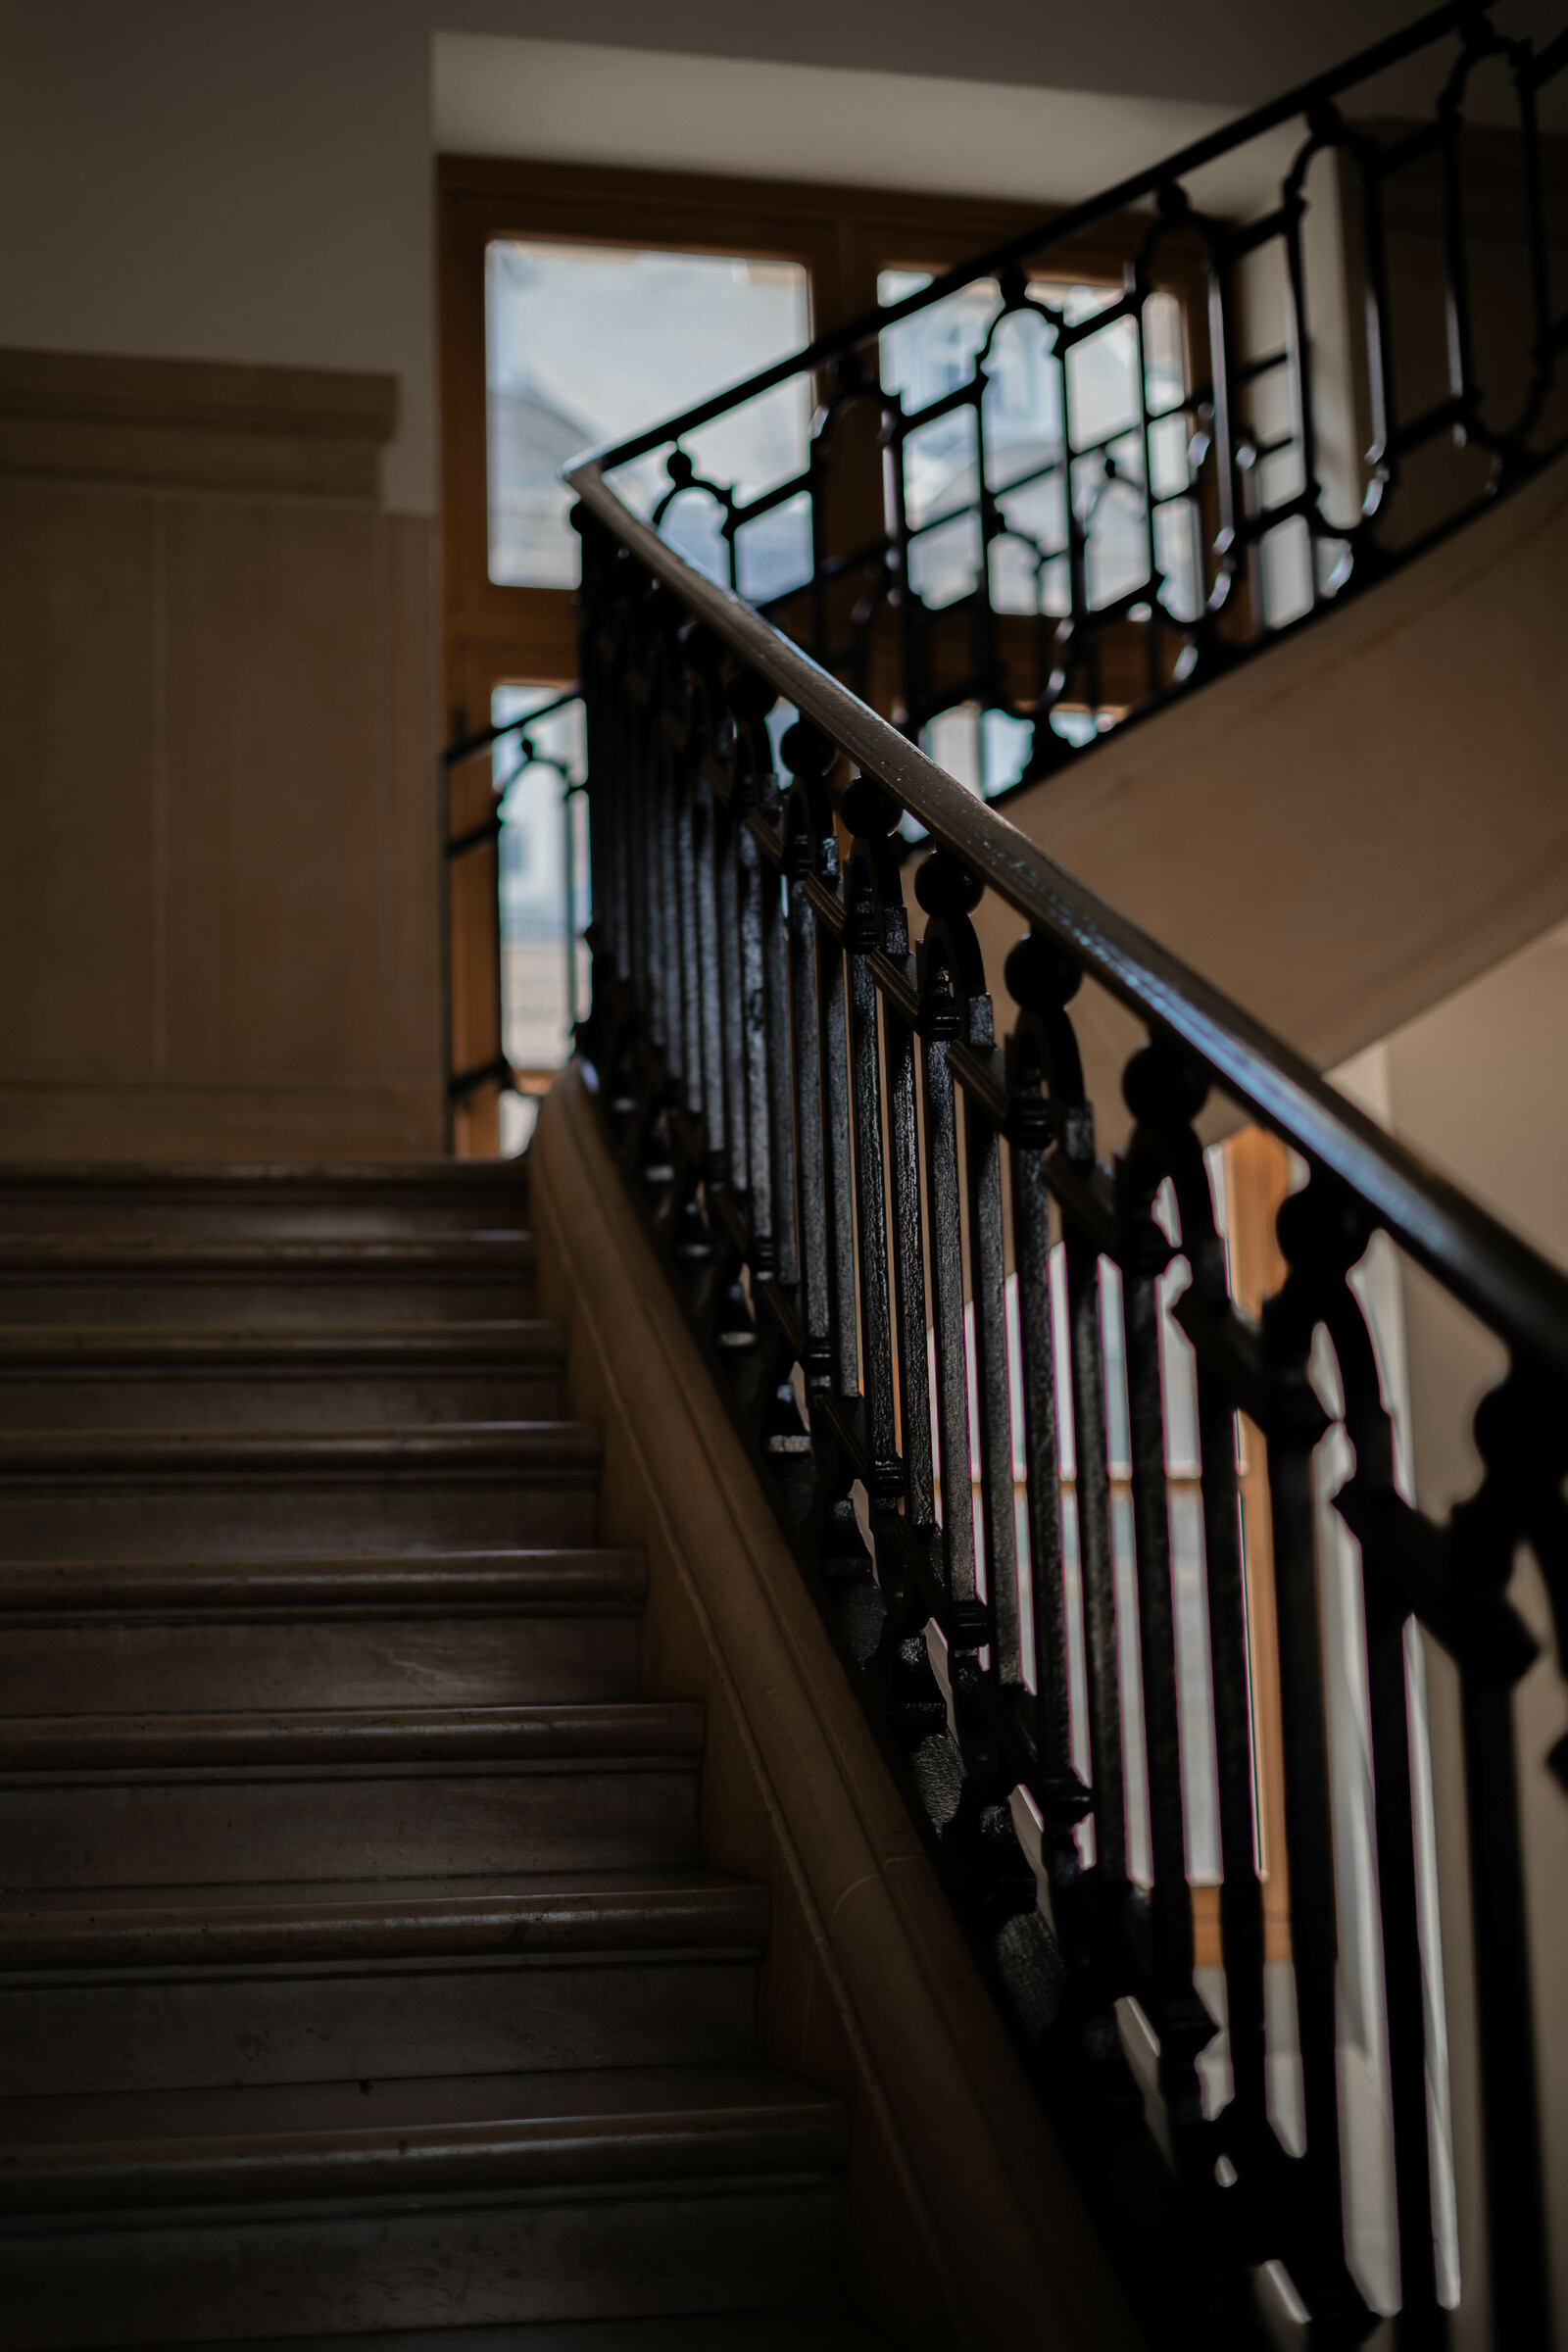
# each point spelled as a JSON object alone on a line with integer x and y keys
{"x": 592, "y": 343}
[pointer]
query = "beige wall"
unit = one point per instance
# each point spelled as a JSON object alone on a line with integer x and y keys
{"x": 217, "y": 714}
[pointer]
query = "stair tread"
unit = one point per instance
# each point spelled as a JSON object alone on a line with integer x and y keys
{"x": 162, "y": 1454}
{"x": 549, "y": 1911}
{"x": 153, "y": 2147}
{"x": 171, "y": 1991}
{"x": 569, "y": 2094}
{"x": 379, "y": 1254}
{"x": 822, "y": 2330}
{"x": 599, "y": 1580}
{"x": 35, "y": 1347}
{"x": 224, "y": 1175}
{"x": 507, "y": 1734}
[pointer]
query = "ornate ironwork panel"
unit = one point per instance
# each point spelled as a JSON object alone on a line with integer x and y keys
{"x": 1096, "y": 496}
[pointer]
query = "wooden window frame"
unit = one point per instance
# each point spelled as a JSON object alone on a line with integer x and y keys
{"x": 842, "y": 236}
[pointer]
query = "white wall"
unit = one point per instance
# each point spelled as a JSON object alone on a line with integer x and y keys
{"x": 251, "y": 180}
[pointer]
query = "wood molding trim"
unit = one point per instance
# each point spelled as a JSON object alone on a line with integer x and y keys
{"x": 197, "y": 423}
{"x": 967, "y": 2228}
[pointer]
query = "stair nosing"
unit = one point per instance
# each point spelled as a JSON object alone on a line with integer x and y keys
{"x": 637, "y": 2124}
{"x": 119, "y": 1176}
{"x": 559, "y": 1452}
{"x": 556, "y": 1581}
{"x": 295, "y": 1925}
{"x": 724, "y": 2145}
{"x": 85, "y": 1351}
{"x": 187, "y": 1741}
{"x": 480, "y": 1247}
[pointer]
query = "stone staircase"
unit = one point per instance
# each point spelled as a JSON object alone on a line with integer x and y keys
{"x": 358, "y": 1974}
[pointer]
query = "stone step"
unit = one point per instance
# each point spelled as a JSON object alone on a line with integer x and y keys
{"x": 138, "y": 1376}
{"x": 157, "y": 1988}
{"x": 357, "y": 1971}
{"x": 119, "y": 1636}
{"x": 374, "y": 1202}
{"x": 328, "y": 2207}
{"x": 151, "y": 1493}
{"x": 158, "y": 1278}
{"x": 822, "y": 2331}
{"x": 146, "y": 1800}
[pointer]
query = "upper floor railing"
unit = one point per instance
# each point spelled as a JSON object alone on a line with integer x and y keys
{"x": 1080, "y": 1515}
{"x": 545, "y": 923}
{"x": 1024, "y": 503}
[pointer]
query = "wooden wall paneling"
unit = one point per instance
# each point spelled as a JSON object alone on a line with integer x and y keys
{"x": 411, "y": 806}
{"x": 80, "y": 693}
{"x": 273, "y": 962}
{"x": 221, "y": 709}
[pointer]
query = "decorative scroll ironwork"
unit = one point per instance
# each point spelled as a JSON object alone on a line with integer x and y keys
{"x": 908, "y": 1261}
{"x": 1093, "y": 497}
{"x": 485, "y": 832}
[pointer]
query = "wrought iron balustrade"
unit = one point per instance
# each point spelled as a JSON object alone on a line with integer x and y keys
{"x": 1056, "y": 504}
{"x": 509, "y": 750}
{"x": 914, "y": 1272}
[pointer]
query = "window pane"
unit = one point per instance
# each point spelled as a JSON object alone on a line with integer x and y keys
{"x": 592, "y": 343}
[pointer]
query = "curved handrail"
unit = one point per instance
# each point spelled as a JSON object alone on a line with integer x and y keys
{"x": 1506, "y": 1284}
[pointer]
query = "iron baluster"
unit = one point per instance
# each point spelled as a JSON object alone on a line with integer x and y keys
{"x": 688, "y": 1070}
{"x": 868, "y": 814}
{"x": 808, "y": 755}
{"x": 1183, "y": 2023}
{"x": 732, "y": 1006}
{"x": 1318, "y": 1244}
{"x": 1486, "y": 1530}
{"x": 756, "y": 879}
{"x": 1045, "y": 1086}
{"x": 708, "y": 950}
{"x": 826, "y": 910}
{"x": 1167, "y": 1093}
{"x": 1095, "y": 1554}
{"x": 942, "y": 887}
{"x": 780, "y": 1109}
{"x": 988, "y": 1282}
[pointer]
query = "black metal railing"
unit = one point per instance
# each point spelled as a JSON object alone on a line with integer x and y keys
{"x": 938, "y": 1314}
{"x": 1051, "y": 503}
{"x": 508, "y": 750}
{"x": 1057, "y": 1492}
